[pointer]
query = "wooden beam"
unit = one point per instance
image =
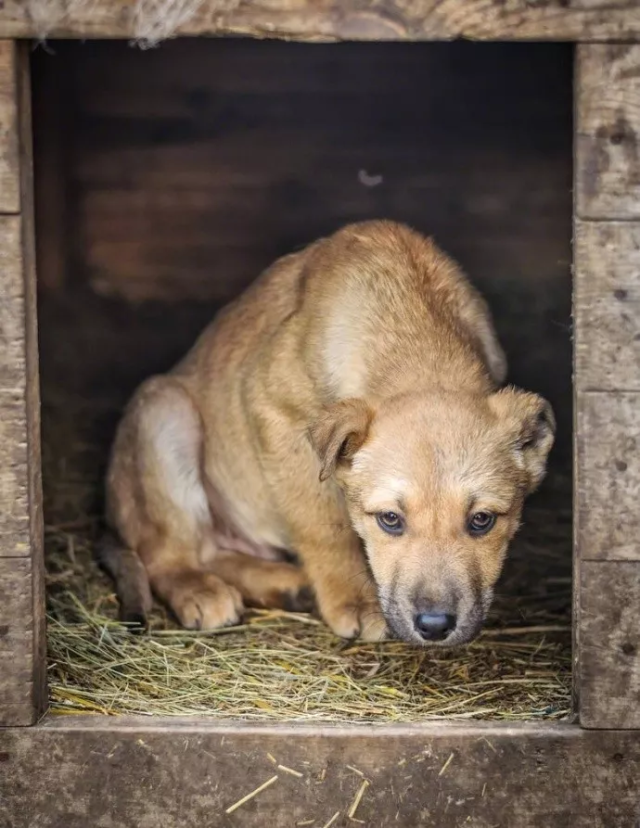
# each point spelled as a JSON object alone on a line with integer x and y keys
{"x": 22, "y": 639}
{"x": 15, "y": 532}
{"x": 608, "y": 476}
{"x": 607, "y": 149}
{"x": 165, "y": 774}
{"x": 580, "y": 20}
{"x": 609, "y": 645}
{"x": 607, "y": 305}
{"x": 19, "y": 685}
{"x": 9, "y": 166}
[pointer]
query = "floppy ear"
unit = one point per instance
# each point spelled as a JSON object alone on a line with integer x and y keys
{"x": 531, "y": 425}
{"x": 339, "y": 432}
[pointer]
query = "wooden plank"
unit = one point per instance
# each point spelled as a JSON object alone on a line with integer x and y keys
{"x": 197, "y": 164}
{"x": 9, "y": 167}
{"x": 607, "y": 84}
{"x": 609, "y": 642}
{"x": 22, "y": 640}
{"x": 38, "y": 662}
{"x": 320, "y": 20}
{"x": 144, "y": 772}
{"x": 15, "y": 536}
{"x": 607, "y": 305}
{"x": 17, "y": 641}
{"x": 608, "y": 476}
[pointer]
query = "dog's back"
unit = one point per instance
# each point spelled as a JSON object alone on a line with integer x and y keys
{"x": 382, "y": 294}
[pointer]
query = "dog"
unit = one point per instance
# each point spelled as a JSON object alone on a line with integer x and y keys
{"x": 347, "y": 409}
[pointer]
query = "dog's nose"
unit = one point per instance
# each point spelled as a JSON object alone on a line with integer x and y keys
{"x": 434, "y": 626}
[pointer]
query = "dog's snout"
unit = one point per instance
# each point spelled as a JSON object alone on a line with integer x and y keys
{"x": 434, "y": 626}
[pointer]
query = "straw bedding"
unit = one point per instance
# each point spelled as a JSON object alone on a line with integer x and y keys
{"x": 282, "y": 666}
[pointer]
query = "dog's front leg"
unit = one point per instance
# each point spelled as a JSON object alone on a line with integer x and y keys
{"x": 345, "y": 592}
{"x": 318, "y": 529}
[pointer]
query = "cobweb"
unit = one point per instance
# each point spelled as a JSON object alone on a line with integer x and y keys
{"x": 151, "y": 21}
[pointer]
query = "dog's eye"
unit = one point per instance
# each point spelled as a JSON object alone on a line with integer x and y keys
{"x": 390, "y": 522}
{"x": 481, "y": 522}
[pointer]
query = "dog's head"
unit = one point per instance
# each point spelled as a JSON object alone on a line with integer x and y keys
{"x": 435, "y": 485}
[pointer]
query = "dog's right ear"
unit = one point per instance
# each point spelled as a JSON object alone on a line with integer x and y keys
{"x": 339, "y": 432}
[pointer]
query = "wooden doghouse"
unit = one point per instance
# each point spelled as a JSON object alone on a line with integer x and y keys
{"x": 80, "y": 771}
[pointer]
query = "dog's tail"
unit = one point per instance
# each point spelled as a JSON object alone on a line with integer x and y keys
{"x": 130, "y": 576}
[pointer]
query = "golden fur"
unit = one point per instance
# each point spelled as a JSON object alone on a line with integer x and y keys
{"x": 354, "y": 378}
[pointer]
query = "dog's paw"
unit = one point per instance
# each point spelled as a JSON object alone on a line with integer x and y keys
{"x": 209, "y": 605}
{"x": 364, "y": 621}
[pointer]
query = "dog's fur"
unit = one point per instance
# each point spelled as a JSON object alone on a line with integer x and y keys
{"x": 356, "y": 377}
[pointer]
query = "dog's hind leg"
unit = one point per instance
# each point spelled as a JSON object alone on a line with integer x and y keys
{"x": 261, "y": 583}
{"x": 158, "y": 505}
{"x": 130, "y": 576}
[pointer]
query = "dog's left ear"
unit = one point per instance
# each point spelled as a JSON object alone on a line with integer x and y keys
{"x": 531, "y": 426}
{"x": 339, "y": 432}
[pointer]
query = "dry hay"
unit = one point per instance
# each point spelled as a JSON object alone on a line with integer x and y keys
{"x": 282, "y": 666}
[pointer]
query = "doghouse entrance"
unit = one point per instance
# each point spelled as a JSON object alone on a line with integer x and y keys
{"x": 165, "y": 181}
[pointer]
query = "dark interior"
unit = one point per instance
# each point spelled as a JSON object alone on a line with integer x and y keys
{"x": 166, "y": 180}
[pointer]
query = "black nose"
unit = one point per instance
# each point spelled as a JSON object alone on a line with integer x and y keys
{"x": 434, "y": 626}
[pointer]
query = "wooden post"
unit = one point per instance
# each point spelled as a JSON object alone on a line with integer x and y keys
{"x": 22, "y": 644}
{"x": 607, "y": 384}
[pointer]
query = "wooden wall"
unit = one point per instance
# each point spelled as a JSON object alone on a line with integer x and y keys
{"x": 22, "y": 659}
{"x": 175, "y": 175}
{"x": 607, "y": 384}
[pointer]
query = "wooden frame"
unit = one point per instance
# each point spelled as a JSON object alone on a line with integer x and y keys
{"x": 316, "y": 20}
{"x": 127, "y": 772}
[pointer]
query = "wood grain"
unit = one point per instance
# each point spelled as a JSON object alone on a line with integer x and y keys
{"x": 9, "y": 167}
{"x": 38, "y": 663}
{"x": 15, "y": 536}
{"x": 17, "y": 642}
{"x": 607, "y": 84}
{"x": 22, "y": 656}
{"x": 609, "y": 641}
{"x": 608, "y": 476}
{"x": 165, "y": 774}
{"x": 352, "y": 20}
{"x": 607, "y": 305}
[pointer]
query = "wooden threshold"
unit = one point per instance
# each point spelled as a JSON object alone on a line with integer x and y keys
{"x": 81, "y": 771}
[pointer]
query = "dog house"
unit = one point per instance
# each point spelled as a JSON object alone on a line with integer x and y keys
{"x": 165, "y": 180}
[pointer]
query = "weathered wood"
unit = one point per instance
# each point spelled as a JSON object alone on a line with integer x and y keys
{"x": 607, "y": 306}
{"x": 22, "y": 657}
{"x": 323, "y": 20}
{"x": 18, "y": 690}
{"x": 609, "y": 642}
{"x": 160, "y": 774}
{"x": 9, "y": 167}
{"x": 608, "y": 476}
{"x": 607, "y": 162}
{"x": 38, "y": 663}
{"x": 15, "y": 536}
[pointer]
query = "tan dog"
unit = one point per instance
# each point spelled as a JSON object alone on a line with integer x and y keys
{"x": 344, "y": 408}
